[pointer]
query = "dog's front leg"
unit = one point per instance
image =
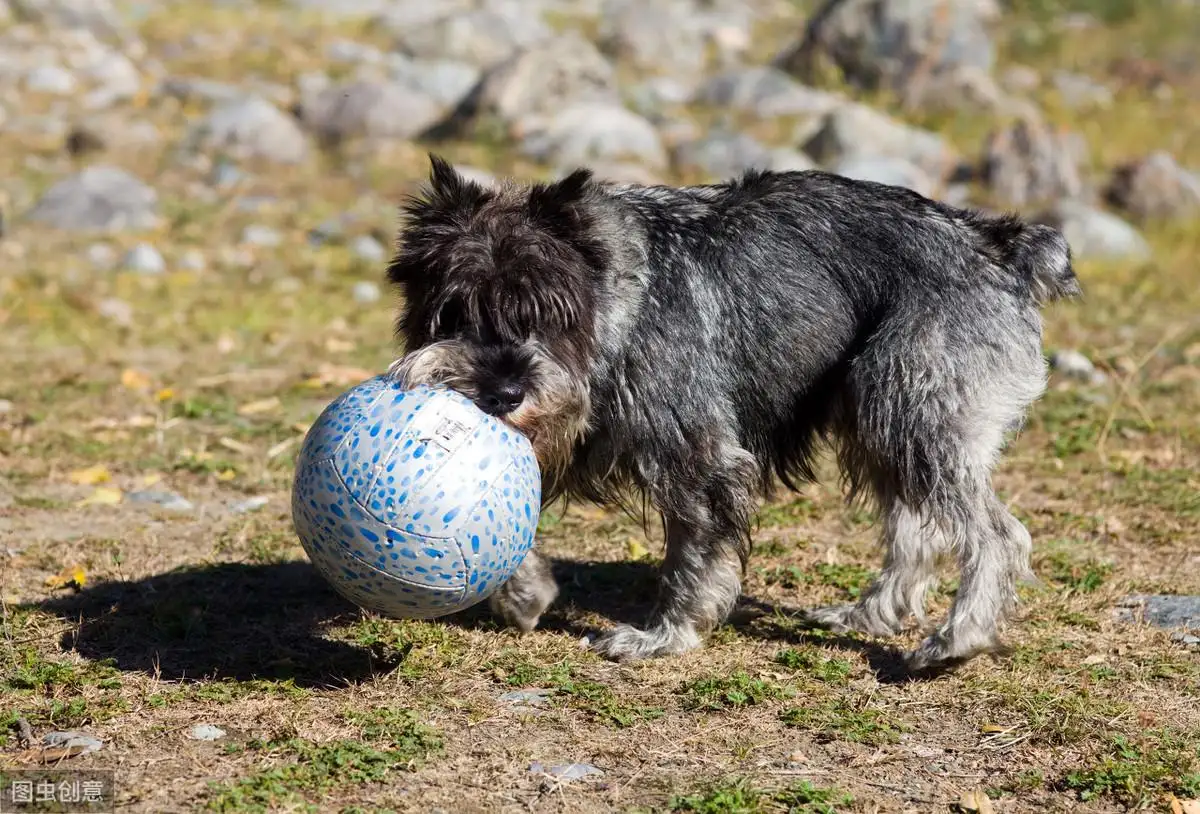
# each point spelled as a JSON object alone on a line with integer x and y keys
{"x": 528, "y": 592}
{"x": 699, "y": 583}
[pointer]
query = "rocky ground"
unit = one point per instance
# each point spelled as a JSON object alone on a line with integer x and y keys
{"x": 196, "y": 204}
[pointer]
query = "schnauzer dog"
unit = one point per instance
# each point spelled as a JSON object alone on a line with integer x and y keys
{"x": 692, "y": 345}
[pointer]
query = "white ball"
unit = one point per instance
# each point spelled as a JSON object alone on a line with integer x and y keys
{"x": 414, "y": 503}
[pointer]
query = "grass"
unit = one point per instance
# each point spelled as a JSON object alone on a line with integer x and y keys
{"x": 211, "y": 617}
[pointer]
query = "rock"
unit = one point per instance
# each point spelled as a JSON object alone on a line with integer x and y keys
{"x": 651, "y": 96}
{"x": 446, "y": 81}
{"x": 1020, "y": 79}
{"x": 225, "y": 175}
{"x": 206, "y": 732}
{"x": 96, "y": 16}
{"x": 50, "y": 79}
{"x": 167, "y": 501}
{"x": 1027, "y": 162}
{"x": 365, "y": 292}
{"x": 965, "y": 89}
{"x": 79, "y": 743}
{"x": 103, "y": 132}
{"x": 256, "y": 235}
{"x": 479, "y": 176}
{"x": 544, "y": 80}
{"x": 369, "y": 109}
{"x": 1167, "y": 611}
{"x": 1095, "y": 234}
{"x": 250, "y": 504}
{"x": 894, "y": 45}
{"x": 783, "y": 159}
{"x": 193, "y": 260}
{"x": 765, "y": 92}
{"x": 354, "y": 53}
{"x": 197, "y": 89}
{"x": 116, "y": 311}
{"x": 483, "y": 37}
{"x": 6, "y": 406}
{"x": 720, "y": 155}
{"x": 585, "y": 133}
{"x": 1075, "y": 365}
{"x": 144, "y": 259}
{"x": 252, "y": 128}
{"x": 887, "y": 170}
{"x": 857, "y": 130}
{"x": 1081, "y": 91}
{"x": 1154, "y": 188}
{"x": 101, "y": 255}
{"x": 115, "y": 74}
{"x": 565, "y": 771}
{"x": 343, "y": 8}
{"x": 369, "y": 249}
{"x": 100, "y": 198}
{"x": 672, "y": 36}
{"x": 527, "y": 698}
{"x": 617, "y": 172}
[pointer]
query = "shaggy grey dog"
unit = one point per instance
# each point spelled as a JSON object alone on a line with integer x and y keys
{"x": 693, "y": 345}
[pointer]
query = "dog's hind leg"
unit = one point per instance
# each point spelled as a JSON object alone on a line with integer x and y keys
{"x": 912, "y": 546}
{"x": 528, "y": 592}
{"x": 707, "y": 528}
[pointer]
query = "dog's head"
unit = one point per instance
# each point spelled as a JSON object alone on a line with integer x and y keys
{"x": 499, "y": 289}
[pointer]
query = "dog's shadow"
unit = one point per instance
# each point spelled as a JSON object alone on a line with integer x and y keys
{"x": 246, "y": 621}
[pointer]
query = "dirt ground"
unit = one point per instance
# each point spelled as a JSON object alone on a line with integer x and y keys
{"x": 135, "y": 621}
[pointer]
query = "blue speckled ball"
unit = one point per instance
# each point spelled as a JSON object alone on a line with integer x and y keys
{"x": 414, "y": 503}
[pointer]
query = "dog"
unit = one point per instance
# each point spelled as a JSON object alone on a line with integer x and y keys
{"x": 694, "y": 346}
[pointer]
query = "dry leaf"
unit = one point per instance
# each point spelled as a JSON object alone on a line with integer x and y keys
{"x": 335, "y": 345}
{"x": 90, "y": 476}
{"x": 1184, "y": 806}
{"x": 993, "y": 729}
{"x": 150, "y": 479}
{"x": 72, "y": 575}
{"x": 226, "y": 475}
{"x": 102, "y": 496}
{"x": 282, "y": 447}
{"x": 166, "y": 394}
{"x": 337, "y": 376}
{"x": 259, "y": 407}
{"x": 135, "y": 379}
{"x": 301, "y": 427}
{"x": 139, "y": 421}
{"x": 977, "y": 801}
{"x": 636, "y": 550}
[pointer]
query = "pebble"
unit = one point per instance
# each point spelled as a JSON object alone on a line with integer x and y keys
{"x": 369, "y": 249}
{"x": 193, "y": 260}
{"x": 145, "y": 259}
{"x": 565, "y": 771}
{"x": 73, "y": 740}
{"x": 530, "y": 698}
{"x": 206, "y": 732}
{"x": 366, "y": 292}
{"x": 256, "y": 235}
{"x": 1075, "y": 365}
{"x": 115, "y": 310}
{"x": 6, "y": 406}
{"x": 101, "y": 255}
{"x": 225, "y": 175}
{"x": 50, "y": 79}
{"x": 168, "y": 501}
{"x": 250, "y": 504}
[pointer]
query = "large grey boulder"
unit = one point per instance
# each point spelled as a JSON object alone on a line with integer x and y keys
{"x": 98, "y": 199}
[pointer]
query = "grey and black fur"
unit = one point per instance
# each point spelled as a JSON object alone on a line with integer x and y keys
{"x": 695, "y": 345}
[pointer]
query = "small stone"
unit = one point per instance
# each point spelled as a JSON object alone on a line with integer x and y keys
{"x": 368, "y": 248}
{"x": 250, "y": 504}
{"x": 193, "y": 260}
{"x": 1166, "y": 611}
{"x": 1081, "y": 91}
{"x": 101, "y": 255}
{"x": 144, "y": 259}
{"x": 225, "y": 175}
{"x": 206, "y": 732}
{"x": 50, "y": 79}
{"x": 252, "y": 127}
{"x": 1186, "y": 639}
{"x": 530, "y": 698}
{"x": 255, "y": 235}
{"x": 365, "y": 292}
{"x": 6, "y": 406}
{"x": 565, "y": 771}
{"x": 85, "y": 743}
{"x": 115, "y": 310}
{"x": 167, "y": 501}
{"x": 1075, "y": 365}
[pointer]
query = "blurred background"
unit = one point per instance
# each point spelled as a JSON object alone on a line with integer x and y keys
{"x": 197, "y": 204}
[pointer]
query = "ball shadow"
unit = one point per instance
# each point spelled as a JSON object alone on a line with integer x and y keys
{"x": 225, "y": 621}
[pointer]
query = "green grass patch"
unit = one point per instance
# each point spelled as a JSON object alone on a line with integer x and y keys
{"x": 838, "y": 719}
{"x": 1136, "y": 773}
{"x": 740, "y": 796}
{"x": 848, "y": 578}
{"x": 815, "y": 665}
{"x": 731, "y": 692}
{"x": 571, "y": 689}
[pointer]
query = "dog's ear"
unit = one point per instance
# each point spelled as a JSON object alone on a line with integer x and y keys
{"x": 556, "y": 206}
{"x": 448, "y": 193}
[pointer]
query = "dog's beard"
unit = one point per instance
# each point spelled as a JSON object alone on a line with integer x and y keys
{"x": 553, "y": 414}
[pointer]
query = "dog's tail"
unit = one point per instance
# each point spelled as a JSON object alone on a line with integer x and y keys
{"x": 1041, "y": 255}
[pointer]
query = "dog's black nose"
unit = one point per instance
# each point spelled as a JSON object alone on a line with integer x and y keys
{"x": 503, "y": 400}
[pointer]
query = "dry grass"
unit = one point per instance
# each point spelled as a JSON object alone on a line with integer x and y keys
{"x": 214, "y": 617}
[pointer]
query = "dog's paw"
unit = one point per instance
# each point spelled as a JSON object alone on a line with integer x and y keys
{"x": 848, "y": 619}
{"x": 521, "y": 603}
{"x": 627, "y": 643}
{"x": 937, "y": 654}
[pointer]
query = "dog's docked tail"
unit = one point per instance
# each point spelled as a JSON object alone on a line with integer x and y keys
{"x": 1039, "y": 254}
